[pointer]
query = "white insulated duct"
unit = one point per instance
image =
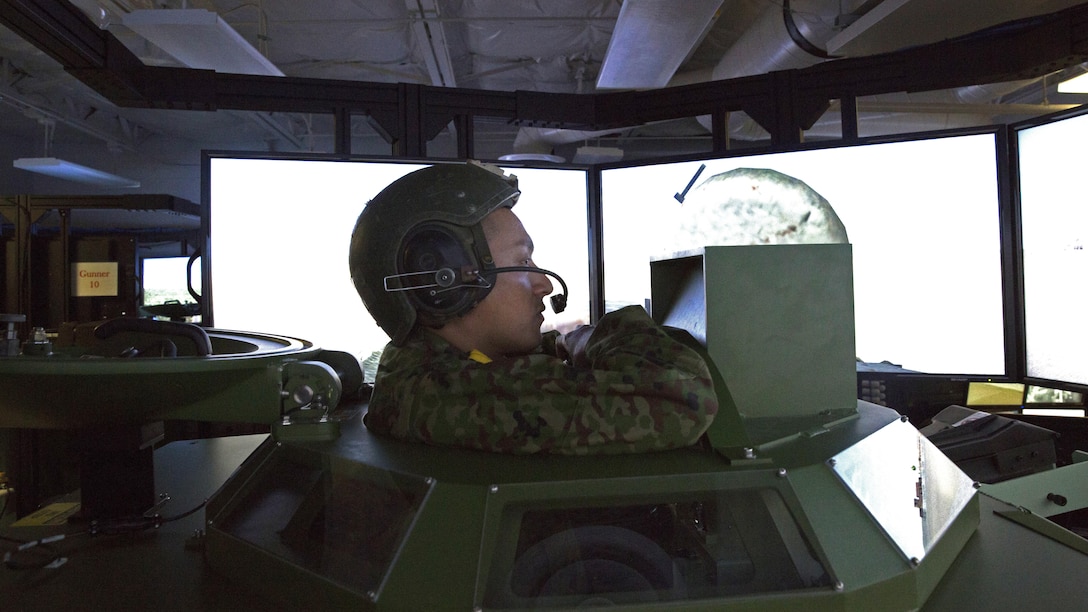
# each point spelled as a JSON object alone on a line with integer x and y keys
{"x": 767, "y": 46}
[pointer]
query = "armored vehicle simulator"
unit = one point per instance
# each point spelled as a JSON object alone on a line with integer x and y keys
{"x": 801, "y": 497}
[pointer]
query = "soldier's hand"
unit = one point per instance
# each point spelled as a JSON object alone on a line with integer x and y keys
{"x": 571, "y": 347}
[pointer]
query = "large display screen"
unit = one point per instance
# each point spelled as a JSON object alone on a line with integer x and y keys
{"x": 1054, "y": 230}
{"x": 280, "y": 231}
{"x": 922, "y": 216}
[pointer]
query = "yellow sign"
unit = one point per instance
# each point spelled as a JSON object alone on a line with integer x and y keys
{"x": 91, "y": 278}
{"x": 53, "y": 514}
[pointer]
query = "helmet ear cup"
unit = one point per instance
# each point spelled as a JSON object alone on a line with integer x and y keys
{"x": 439, "y": 249}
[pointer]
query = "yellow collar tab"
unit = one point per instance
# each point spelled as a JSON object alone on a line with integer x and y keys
{"x": 478, "y": 356}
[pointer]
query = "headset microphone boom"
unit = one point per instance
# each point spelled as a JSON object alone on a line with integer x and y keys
{"x": 448, "y": 279}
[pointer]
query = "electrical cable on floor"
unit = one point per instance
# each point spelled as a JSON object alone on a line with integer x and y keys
{"x": 25, "y": 554}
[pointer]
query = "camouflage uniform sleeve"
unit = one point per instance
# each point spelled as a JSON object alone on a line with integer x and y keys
{"x": 643, "y": 392}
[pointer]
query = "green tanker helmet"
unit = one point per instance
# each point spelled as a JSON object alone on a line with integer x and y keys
{"x": 417, "y": 248}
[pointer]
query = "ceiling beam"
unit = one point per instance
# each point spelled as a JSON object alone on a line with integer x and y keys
{"x": 59, "y": 29}
{"x": 784, "y": 102}
{"x": 45, "y": 112}
{"x": 430, "y": 32}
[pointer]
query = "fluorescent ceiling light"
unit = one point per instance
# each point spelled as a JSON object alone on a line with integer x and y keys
{"x": 199, "y": 39}
{"x": 531, "y": 157}
{"x": 60, "y": 168}
{"x": 1077, "y": 84}
{"x": 652, "y": 38}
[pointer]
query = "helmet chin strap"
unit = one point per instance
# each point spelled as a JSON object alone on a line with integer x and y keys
{"x": 448, "y": 279}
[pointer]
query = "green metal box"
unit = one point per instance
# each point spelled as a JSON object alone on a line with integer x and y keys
{"x": 777, "y": 320}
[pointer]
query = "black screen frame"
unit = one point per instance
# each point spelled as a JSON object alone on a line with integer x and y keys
{"x": 1008, "y": 223}
{"x": 1007, "y": 226}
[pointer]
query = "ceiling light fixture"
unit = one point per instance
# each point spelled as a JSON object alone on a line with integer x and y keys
{"x": 1076, "y": 85}
{"x": 532, "y": 157}
{"x": 652, "y": 39}
{"x": 199, "y": 39}
{"x": 59, "y": 168}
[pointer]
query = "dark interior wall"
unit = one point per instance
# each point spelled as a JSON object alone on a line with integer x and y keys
{"x": 12, "y": 180}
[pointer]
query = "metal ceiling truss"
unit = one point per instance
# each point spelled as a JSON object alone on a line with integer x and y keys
{"x": 44, "y": 112}
{"x": 408, "y": 115}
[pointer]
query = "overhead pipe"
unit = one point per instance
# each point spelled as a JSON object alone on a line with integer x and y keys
{"x": 771, "y": 43}
{"x": 780, "y": 39}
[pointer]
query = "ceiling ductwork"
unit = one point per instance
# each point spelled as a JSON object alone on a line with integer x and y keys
{"x": 651, "y": 41}
{"x": 767, "y": 45}
{"x": 772, "y": 44}
{"x": 799, "y": 33}
{"x": 556, "y": 47}
{"x": 786, "y": 37}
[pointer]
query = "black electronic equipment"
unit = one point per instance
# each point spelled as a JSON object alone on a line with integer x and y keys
{"x": 990, "y": 447}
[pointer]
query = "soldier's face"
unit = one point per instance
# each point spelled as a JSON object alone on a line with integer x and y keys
{"x": 507, "y": 321}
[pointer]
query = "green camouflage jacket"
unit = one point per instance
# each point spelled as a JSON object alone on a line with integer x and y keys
{"x": 645, "y": 391}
